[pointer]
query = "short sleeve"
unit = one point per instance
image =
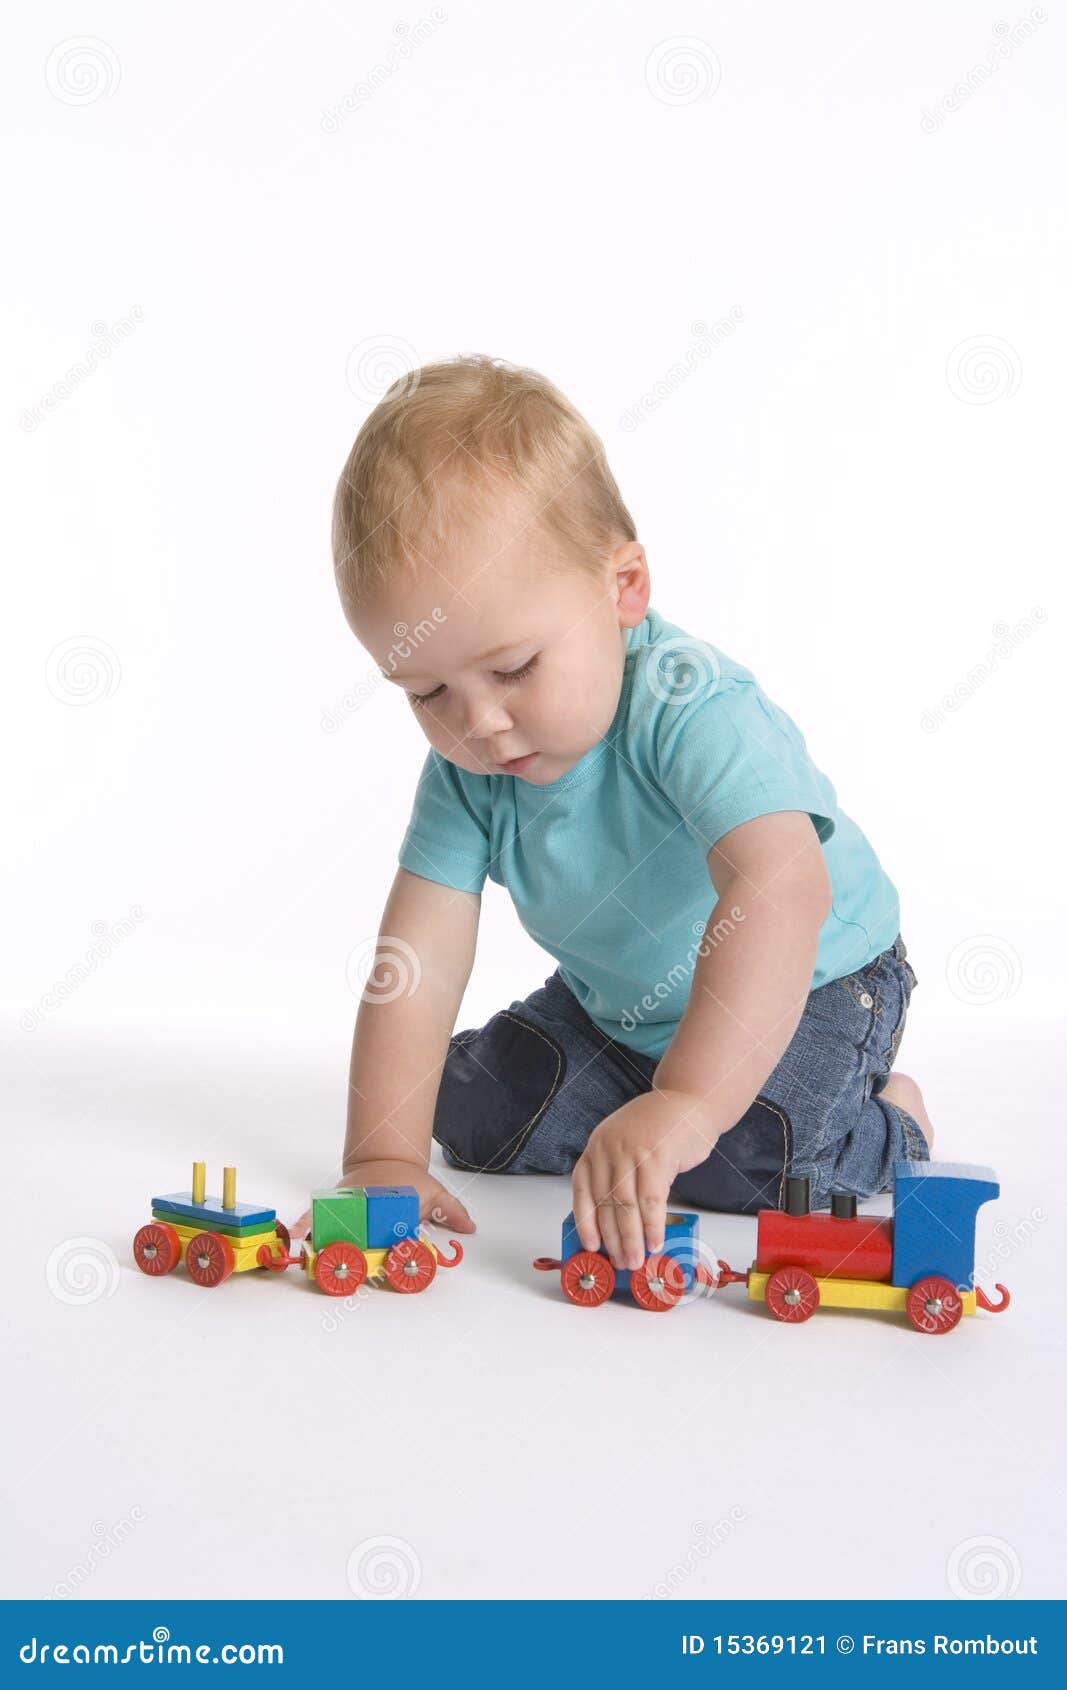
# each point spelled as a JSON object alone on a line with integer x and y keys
{"x": 732, "y": 755}
{"x": 447, "y": 837}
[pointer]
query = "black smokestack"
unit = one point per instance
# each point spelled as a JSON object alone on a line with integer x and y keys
{"x": 797, "y": 1196}
{"x": 843, "y": 1205}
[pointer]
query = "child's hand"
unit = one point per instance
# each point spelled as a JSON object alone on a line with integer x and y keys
{"x": 623, "y": 1179}
{"x": 436, "y": 1203}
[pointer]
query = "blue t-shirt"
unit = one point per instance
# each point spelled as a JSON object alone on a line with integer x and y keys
{"x": 607, "y": 866}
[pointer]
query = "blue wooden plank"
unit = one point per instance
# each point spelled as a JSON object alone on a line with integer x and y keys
{"x": 212, "y": 1211}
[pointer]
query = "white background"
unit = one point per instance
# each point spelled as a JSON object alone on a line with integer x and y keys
{"x": 263, "y": 214}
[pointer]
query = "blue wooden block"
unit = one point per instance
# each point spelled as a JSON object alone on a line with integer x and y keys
{"x": 681, "y": 1239}
{"x": 934, "y": 1209}
{"x": 211, "y": 1212}
{"x": 392, "y": 1215}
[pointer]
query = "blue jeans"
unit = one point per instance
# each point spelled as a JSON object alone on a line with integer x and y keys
{"x": 523, "y": 1093}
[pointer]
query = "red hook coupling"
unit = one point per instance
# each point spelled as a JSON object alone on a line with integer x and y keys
{"x": 450, "y": 1261}
{"x": 993, "y": 1308}
{"x": 546, "y": 1264}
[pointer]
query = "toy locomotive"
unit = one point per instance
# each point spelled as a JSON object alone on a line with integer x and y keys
{"x": 920, "y": 1262}
{"x": 357, "y": 1233}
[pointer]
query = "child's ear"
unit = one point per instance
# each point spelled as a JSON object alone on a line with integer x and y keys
{"x": 632, "y": 585}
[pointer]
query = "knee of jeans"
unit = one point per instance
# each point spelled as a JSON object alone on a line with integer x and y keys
{"x": 884, "y": 1136}
{"x": 746, "y": 1170}
{"x": 495, "y": 1086}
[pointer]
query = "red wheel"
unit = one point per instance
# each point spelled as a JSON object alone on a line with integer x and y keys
{"x": 792, "y": 1294}
{"x": 209, "y": 1258}
{"x": 157, "y": 1248}
{"x": 410, "y": 1265}
{"x": 340, "y": 1269}
{"x": 283, "y": 1233}
{"x": 588, "y": 1278}
{"x": 934, "y": 1305}
{"x": 658, "y": 1283}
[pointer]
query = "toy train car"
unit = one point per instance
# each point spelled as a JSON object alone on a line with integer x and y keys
{"x": 920, "y": 1262}
{"x": 358, "y": 1233}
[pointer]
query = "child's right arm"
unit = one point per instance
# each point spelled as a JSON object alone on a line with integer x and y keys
{"x": 423, "y": 960}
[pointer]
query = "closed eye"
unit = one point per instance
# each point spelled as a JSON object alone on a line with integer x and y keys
{"x": 507, "y": 675}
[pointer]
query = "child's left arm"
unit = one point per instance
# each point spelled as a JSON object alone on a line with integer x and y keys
{"x": 752, "y": 978}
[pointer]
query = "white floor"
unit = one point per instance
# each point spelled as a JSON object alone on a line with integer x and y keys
{"x": 487, "y": 1438}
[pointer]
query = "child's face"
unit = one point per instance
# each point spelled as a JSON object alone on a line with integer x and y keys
{"x": 521, "y": 662}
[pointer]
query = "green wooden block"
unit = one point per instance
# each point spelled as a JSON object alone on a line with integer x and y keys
{"x": 339, "y": 1214}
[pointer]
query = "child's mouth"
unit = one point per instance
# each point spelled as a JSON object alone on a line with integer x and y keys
{"x": 518, "y": 764}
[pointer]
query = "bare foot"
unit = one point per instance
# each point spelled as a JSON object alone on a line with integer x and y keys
{"x": 902, "y": 1090}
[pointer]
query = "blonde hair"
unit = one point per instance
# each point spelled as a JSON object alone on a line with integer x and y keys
{"x": 444, "y": 446}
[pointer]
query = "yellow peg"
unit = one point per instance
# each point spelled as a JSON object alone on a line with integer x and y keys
{"x": 198, "y": 1182}
{"x": 229, "y": 1188}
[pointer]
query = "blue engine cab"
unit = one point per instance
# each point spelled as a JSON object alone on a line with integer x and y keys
{"x": 934, "y": 1209}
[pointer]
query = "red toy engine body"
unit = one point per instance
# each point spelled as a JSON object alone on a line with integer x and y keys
{"x": 828, "y": 1246}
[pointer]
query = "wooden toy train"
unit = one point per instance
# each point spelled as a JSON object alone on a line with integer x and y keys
{"x": 358, "y": 1233}
{"x": 920, "y": 1262}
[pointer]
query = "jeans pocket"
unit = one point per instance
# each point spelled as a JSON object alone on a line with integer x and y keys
{"x": 495, "y": 1086}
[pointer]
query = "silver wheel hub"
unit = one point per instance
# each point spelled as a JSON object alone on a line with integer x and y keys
{"x": 341, "y": 1270}
{"x": 587, "y": 1282}
{"x": 203, "y": 1261}
{"x": 792, "y": 1298}
{"x": 411, "y": 1268}
{"x": 150, "y": 1252}
{"x": 934, "y": 1306}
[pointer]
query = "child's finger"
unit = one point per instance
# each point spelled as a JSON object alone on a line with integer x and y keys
{"x": 447, "y": 1210}
{"x": 628, "y": 1217}
{"x": 654, "y": 1216}
{"x": 585, "y": 1215}
{"x": 607, "y": 1219}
